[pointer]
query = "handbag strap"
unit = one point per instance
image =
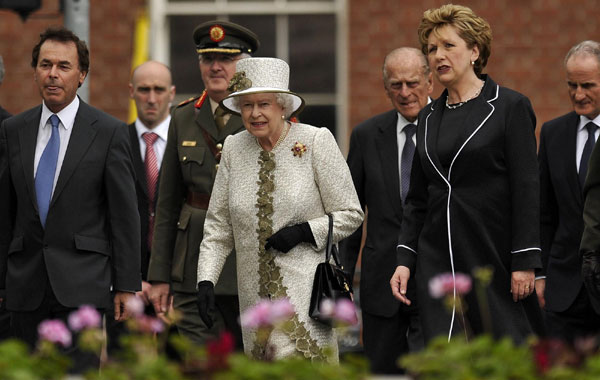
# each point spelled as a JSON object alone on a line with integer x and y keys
{"x": 331, "y": 249}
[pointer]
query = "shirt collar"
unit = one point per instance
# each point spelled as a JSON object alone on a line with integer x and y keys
{"x": 402, "y": 120}
{"x": 66, "y": 115}
{"x": 583, "y": 120}
{"x": 162, "y": 129}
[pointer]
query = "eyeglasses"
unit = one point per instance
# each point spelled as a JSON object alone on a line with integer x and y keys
{"x": 209, "y": 59}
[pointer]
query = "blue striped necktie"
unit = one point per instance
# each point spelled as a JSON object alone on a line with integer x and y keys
{"x": 46, "y": 170}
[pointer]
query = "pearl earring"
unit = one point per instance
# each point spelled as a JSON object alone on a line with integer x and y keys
{"x": 282, "y": 117}
{"x": 472, "y": 63}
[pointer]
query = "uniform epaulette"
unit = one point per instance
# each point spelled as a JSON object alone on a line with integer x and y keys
{"x": 187, "y": 101}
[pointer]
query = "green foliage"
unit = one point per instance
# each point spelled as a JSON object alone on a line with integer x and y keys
{"x": 293, "y": 368}
{"x": 17, "y": 363}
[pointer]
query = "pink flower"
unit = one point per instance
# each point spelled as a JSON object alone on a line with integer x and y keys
{"x": 444, "y": 284}
{"x": 327, "y": 308}
{"x": 345, "y": 312}
{"x": 55, "y": 331}
{"x": 267, "y": 313}
{"x": 256, "y": 316}
{"x": 135, "y": 305}
{"x": 147, "y": 324}
{"x": 281, "y": 310}
{"x": 85, "y": 317}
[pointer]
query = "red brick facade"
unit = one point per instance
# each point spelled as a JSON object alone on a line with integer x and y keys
{"x": 530, "y": 41}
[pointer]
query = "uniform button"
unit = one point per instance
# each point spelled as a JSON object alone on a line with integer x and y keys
{"x": 152, "y": 214}
{"x": 184, "y": 158}
{"x": 219, "y": 146}
{"x": 178, "y": 224}
{"x": 217, "y": 166}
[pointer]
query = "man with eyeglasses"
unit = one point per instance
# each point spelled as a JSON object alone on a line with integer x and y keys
{"x": 197, "y": 132}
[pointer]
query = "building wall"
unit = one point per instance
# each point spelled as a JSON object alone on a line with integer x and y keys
{"x": 111, "y": 34}
{"x": 530, "y": 41}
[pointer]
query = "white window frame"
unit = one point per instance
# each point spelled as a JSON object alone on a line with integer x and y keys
{"x": 160, "y": 10}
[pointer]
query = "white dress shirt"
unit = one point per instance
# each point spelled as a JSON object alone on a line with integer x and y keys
{"x": 162, "y": 130}
{"x": 582, "y": 136}
{"x": 65, "y": 127}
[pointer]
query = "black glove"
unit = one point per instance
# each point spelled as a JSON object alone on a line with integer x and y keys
{"x": 288, "y": 237}
{"x": 590, "y": 270}
{"x": 206, "y": 301}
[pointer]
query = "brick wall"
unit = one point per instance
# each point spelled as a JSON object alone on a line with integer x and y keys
{"x": 111, "y": 33}
{"x": 530, "y": 40}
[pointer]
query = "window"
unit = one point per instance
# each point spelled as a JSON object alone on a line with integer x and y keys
{"x": 309, "y": 35}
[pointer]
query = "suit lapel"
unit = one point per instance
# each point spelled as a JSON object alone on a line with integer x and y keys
{"x": 387, "y": 148}
{"x": 431, "y": 125}
{"x": 570, "y": 145}
{"x": 232, "y": 127}
{"x": 206, "y": 120}
{"x": 138, "y": 164}
{"x": 84, "y": 131}
{"x": 28, "y": 141}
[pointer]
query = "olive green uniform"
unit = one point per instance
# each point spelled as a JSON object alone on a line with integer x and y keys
{"x": 188, "y": 171}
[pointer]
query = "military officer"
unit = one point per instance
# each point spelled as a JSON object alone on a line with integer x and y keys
{"x": 197, "y": 131}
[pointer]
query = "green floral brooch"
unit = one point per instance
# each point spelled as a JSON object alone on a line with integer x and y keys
{"x": 239, "y": 82}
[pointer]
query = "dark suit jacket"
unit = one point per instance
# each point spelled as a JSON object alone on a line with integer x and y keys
{"x": 561, "y": 211}
{"x": 141, "y": 190}
{"x": 4, "y": 114}
{"x": 590, "y": 241}
{"x": 91, "y": 240}
{"x": 373, "y": 162}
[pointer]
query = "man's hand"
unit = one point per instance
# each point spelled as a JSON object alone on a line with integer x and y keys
{"x": 522, "y": 284}
{"x": 399, "y": 282}
{"x": 540, "y": 288}
{"x": 144, "y": 294}
{"x": 121, "y": 311}
{"x": 160, "y": 297}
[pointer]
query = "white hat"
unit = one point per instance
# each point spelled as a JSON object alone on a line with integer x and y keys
{"x": 259, "y": 75}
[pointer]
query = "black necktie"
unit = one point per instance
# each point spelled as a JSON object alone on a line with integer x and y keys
{"x": 587, "y": 151}
{"x": 408, "y": 153}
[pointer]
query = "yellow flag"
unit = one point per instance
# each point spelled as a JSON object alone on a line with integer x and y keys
{"x": 140, "y": 53}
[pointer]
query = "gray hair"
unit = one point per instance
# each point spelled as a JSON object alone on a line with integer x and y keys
{"x": 587, "y": 47}
{"x": 1, "y": 69}
{"x": 284, "y": 100}
{"x": 405, "y": 52}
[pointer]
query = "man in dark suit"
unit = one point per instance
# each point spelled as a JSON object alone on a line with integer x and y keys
{"x": 196, "y": 135}
{"x": 565, "y": 147}
{"x": 152, "y": 90}
{"x": 4, "y": 315}
{"x": 69, "y": 228}
{"x": 4, "y": 114}
{"x": 584, "y": 88}
{"x": 380, "y": 157}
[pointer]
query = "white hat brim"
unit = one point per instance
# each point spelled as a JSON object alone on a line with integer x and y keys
{"x": 297, "y": 101}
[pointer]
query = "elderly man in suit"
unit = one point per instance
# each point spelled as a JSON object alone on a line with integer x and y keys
{"x": 197, "y": 132}
{"x": 583, "y": 78}
{"x": 152, "y": 90}
{"x": 380, "y": 158}
{"x": 69, "y": 228}
{"x": 565, "y": 147}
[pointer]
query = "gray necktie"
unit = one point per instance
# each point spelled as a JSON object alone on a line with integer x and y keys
{"x": 408, "y": 153}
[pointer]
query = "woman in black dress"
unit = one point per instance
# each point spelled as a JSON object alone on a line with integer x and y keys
{"x": 474, "y": 197}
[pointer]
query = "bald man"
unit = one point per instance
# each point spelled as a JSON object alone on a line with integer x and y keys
{"x": 152, "y": 90}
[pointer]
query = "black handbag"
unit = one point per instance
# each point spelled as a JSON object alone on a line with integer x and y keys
{"x": 330, "y": 281}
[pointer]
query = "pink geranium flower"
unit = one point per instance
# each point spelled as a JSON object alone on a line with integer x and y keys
{"x": 444, "y": 284}
{"x": 55, "y": 331}
{"x": 345, "y": 312}
{"x": 267, "y": 313}
{"x": 85, "y": 317}
{"x": 327, "y": 308}
{"x": 135, "y": 305}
